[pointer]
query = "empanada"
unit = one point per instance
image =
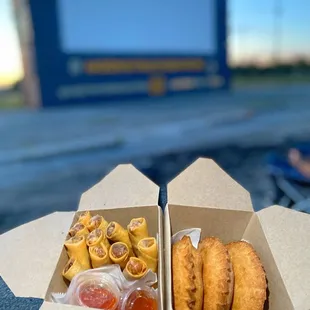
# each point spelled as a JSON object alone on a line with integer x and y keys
{"x": 186, "y": 276}
{"x": 250, "y": 280}
{"x": 217, "y": 274}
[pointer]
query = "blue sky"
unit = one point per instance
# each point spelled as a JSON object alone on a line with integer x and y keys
{"x": 251, "y": 33}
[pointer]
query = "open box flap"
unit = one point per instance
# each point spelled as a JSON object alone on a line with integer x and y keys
{"x": 53, "y": 306}
{"x": 205, "y": 184}
{"x": 31, "y": 253}
{"x": 123, "y": 186}
{"x": 288, "y": 234}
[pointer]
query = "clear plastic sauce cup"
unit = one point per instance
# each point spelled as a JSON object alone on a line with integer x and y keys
{"x": 99, "y": 294}
{"x": 139, "y": 298}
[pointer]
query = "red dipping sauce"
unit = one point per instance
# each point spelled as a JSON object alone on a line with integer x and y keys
{"x": 95, "y": 296}
{"x": 141, "y": 300}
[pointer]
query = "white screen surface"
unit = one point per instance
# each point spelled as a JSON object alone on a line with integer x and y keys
{"x": 137, "y": 26}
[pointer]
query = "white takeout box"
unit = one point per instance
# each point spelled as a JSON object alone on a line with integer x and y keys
{"x": 204, "y": 196}
{"x": 33, "y": 255}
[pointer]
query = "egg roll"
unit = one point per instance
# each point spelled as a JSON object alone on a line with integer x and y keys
{"x": 72, "y": 268}
{"x": 84, "y": 217}
{"x": 116, "y": 233}
{"x": 135, "y": 269}
{"x": 218, "y": 277}
{"x": 250, "y": 290}
{"x": 99, "y": 256}
{"x": 187, "y": 284}
{"x": 97, "y": 221}
{"x": 76, "y": 247}
{"x": 119, "y": 254}
{"x": 78, "y": 229}
{"x": 97, "y": 237}
{"x": 137, "y": 230}
{"x": 148, "y": 252}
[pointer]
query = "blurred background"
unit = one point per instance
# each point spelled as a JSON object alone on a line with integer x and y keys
{"x": 86, "y": 85}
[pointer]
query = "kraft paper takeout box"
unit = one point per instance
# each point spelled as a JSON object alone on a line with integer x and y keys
{"x": 32, "y": 255}
{"x": 204, "y": 196}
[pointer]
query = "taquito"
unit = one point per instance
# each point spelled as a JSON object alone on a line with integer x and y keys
{"x": 218, "y": 277}
{"x": 97, "y": 221}
{"x": 250, "y": 290}
{"x": 99, "y": 256}
{"x": 135, "y": 269}
{"x": 97, "y": 237}
{"x": 116, "y": 233}
{"x": 186, "y": 276}
{"x": 72, "y": 268}
{"x": 119, "y": 254}
{"x": 78, "y": 229}
{"x": 148, "y": 252}
{"x": 76, "y": 247}
{"x": 137, "y": 230}
{"x": 84, "y": 217}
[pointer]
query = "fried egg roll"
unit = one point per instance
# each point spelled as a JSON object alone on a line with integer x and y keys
{"x": 78, "y": 229}
{"x": 76, "y": 247}
{"x": 84, "y": 217}
{"x": 99, "y": 256}
{"x": 116, "y": 233}
{"x": 97, "y": 237}
{"x": 186, "y": 276}
{"x": 119, "y": 254}
{"x": 72, "y": 268}
{"x": 137, "y": 230}
{"x": 250, "y": 290}
{"x": 97, "y": 221}
{"x": 135, "y": 269}
{"x": 148, "y": 252}
{"x": 218, "y": 278}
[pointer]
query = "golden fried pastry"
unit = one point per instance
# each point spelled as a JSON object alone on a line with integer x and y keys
{"x": 99, "y": 255}
{"x": 76, "y": 247}
{"x": 217, "y": 274}
{"x": 97, "y": 221}
{"x": 137, "y": 230}
{"x": 148, "y": 252}
{"x": 119, "y": 254}
{"x": 250, "y": 279}
{"x": 72, "y": 268}
{"x": 186, "y": 276}
{"x": 116, "y": 233}
{"x": 78, "y": 229}
{"x": 84, "y": 217}
{"x": 135, "y": 269}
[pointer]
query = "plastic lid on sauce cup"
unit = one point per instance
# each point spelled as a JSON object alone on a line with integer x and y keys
{"x": 99, "y": 294}
{"x": 139, "y": 297}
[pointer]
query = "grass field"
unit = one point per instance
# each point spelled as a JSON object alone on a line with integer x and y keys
{"x": 14, "y": 100}
{"x": 11, "y": 100}
{"x": 243, "y": 81}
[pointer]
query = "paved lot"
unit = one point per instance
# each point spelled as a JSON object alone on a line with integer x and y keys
{"x": 47, "y": 158}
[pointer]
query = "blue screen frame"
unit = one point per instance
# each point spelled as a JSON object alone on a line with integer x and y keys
{"x": 52, "y": 66}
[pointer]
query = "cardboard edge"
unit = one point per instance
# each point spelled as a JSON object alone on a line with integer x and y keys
{"x": 105, "y": 193}
{"x": 290, "y": 227}
{"x": 24, "y": 288}
{"x": 47, "y": 305}
{"x": 161, "y": 272}
{"x": 203, "y": 191}
{"x": 255, "y": 217}
{"x": 168, "y": 264}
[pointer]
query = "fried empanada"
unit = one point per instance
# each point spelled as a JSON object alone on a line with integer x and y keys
{"x": 250, "y": 280}
{"x": 218, "y": 277}
{"x": 186, "y": 276}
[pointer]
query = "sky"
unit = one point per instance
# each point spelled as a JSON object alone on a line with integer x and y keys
{"x": 251, "y": 33}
